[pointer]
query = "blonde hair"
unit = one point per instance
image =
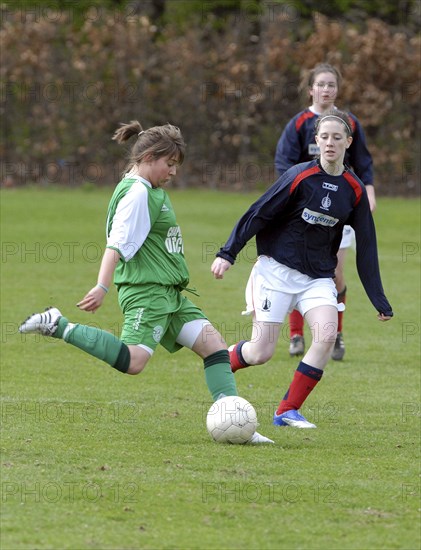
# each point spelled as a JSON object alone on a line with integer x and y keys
{"x": 153, "y": 143}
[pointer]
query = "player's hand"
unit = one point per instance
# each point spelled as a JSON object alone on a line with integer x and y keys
{"x": 383, "y": 317}
{"x": 219, "y": 266}
{"x": 93, "y": 300}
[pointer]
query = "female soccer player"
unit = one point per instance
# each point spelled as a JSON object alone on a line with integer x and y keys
{"x": 298, "y": 225}
{"x": 297, "y": 144}
{"x": 145, "y": 257}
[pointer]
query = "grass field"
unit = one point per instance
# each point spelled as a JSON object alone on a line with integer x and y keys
{"x": 93, "y": 459}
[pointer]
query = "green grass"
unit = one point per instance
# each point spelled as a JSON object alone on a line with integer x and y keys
{"x": 92, "y": 459}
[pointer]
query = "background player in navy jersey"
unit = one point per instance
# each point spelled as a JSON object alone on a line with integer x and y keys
{"x": 297, "y": 144}
{"x": 298, "y": 224}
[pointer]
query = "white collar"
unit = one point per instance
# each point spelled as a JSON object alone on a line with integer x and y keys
{"x": 139, "y": 178}
{"x": 313, "y": 110}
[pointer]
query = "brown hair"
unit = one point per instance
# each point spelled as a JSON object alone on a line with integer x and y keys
{"x": 336, "y": 114}
{"x": 310, "y": 76}
{"x": 153, "y": 143}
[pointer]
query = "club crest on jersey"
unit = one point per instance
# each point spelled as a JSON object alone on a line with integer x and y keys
{"x": 157, "y": 333}
{"x": 266, "y": 305}
{"x": 329, "y": 186}
{"x": 317, "y": 218}
{"x": 326, "y": 202}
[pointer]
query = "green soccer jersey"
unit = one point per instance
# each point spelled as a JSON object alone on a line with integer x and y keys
{"x": 141, "y": 226}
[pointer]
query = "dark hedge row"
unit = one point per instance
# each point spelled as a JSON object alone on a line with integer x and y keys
{"x": 64, "y": 89}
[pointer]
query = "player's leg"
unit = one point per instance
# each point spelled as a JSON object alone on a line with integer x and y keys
{"x": 98, "y": 343}
{"x": 296, "y": 332}
{"x": 323, "y": 323}
{"x": 189, "y": 328}
{"x": 259, "y": 349}
{"x": 269, "y": 304}
{"x": 317, "y": 302}
{"x": 146, "y": 312}
{"x": 202, "y": 338}
{"x": 338, "y": 351}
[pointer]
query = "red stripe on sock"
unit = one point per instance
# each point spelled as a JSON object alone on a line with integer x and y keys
{"x": 235, "y": 361}
{"x": 296, "y": 323}
{"x": 340, "y": 320}
{"x": 300, "y": 388}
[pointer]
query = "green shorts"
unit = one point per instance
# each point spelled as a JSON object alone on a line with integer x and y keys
{"x": 155, "y": 314}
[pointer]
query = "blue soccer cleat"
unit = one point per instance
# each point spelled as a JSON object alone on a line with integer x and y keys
{"x": 292, "y": 418}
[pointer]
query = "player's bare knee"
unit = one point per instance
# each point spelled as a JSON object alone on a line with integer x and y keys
{"x": 211, "y": 337}
{"x": 323, "y": 347}
{"x": 209, "y": 341}
{"x": 135, "y": 368}
{"x": 138, "y": 359}
{"x": 259, "y": 356}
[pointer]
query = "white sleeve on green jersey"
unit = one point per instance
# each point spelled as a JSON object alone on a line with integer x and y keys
{"x": 131, "y": 223}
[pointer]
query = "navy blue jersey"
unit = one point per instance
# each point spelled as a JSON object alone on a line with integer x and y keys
{"x": 299, "y": 220}
{"x": 297, "y": 144}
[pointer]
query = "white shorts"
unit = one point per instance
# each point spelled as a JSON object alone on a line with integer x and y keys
{"x": 348, "y": 237}
{"x": 273, "y": 290}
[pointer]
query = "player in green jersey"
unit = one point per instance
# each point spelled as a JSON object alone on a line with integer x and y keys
{"x": 144, "y": 256}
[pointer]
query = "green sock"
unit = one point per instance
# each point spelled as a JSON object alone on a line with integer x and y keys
{"x": 96, "y": 342}
{"x": 219, "y": 376}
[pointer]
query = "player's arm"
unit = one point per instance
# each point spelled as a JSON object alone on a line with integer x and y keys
{"x": 288, "y": 149}
{"x": 260, "y": 213}
{"x": 131, "y": 223}
{"x": 367, "y": 258}
{"x": 130, "y": 227}
{"x": 362, "y": 162}
{"x": 94, "y": 298}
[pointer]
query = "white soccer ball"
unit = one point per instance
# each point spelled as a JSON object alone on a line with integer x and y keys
{"x": 231, "y": 419}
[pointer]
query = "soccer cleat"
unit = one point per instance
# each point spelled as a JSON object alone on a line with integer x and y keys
{"x": 296, "y": 345}
{"x": 338, "y": 351}
{"x": 292, "y": 418}
{"x": 44, "y": 323}
{"x": 258, "y": 438}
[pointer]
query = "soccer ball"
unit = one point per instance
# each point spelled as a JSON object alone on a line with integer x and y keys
{"x": 231, "y": 419}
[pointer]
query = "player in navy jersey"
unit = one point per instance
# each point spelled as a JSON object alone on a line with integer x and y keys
{"x": 297, "y": 144}
{"x": 298, "y": 224}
